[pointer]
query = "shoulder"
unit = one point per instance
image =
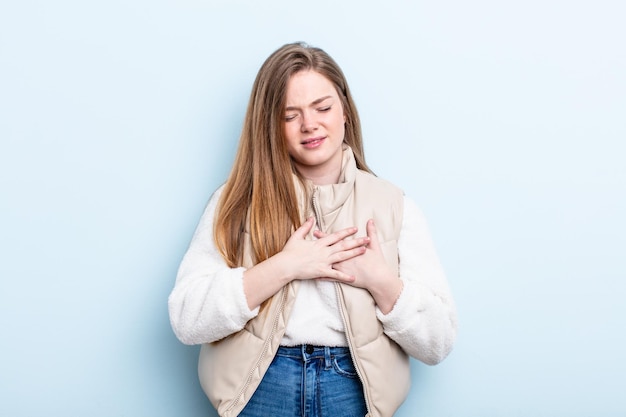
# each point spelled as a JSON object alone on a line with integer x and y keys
{"x": 413, "y": 221}
{"x": 378, "y": 185}
{"x": 217, "y": 193}
{"x": 214, "y": 199}
{"x": 385, "y": 199}
{"x": 206, "y": 220}
{"x": 411, "y": 208}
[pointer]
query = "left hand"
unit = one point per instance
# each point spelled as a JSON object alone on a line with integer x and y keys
{"x": 372, "y": 271}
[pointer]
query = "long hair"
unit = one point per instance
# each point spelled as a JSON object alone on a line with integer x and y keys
{"x": 260, "y": 188}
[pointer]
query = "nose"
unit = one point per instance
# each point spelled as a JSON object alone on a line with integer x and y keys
{"x": 309, "y": 122}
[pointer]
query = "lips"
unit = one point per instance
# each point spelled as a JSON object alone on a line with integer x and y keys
{"x": 313, "y": 142}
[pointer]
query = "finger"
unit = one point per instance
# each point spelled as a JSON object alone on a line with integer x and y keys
{"x": 304, "y": 230}
{"x": 344, "y": 255}
{"x": 333, "y": 238}
{"x": 348, "y": 244}
{"x": 361, "y": 241}
{"x": 338, "y": 276}
{"x": 372, "y": 234}
{"x": 319, "y": 234}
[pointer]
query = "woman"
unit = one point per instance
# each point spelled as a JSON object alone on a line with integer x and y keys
{"x": 309, "y": 280}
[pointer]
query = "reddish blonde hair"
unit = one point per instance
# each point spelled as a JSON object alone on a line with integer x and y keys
{"x": 260, "y": 188}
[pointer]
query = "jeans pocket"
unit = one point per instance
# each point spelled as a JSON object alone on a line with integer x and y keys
{"x": 343, "y": 365}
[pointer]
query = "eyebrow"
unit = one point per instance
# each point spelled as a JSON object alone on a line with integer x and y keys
{"x": 315, "y": 102}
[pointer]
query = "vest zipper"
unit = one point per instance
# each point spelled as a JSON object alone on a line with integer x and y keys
{"x": 357, "y": 366}
{"x": 268, "y": 340}
{"x": 317, "y": 213}
{"x": 316, "y": 209}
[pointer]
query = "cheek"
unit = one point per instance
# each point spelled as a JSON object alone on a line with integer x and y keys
{"x": 341, "y": 124}
{"x": 291, "y": 137}
{"x": 341, "y": 129}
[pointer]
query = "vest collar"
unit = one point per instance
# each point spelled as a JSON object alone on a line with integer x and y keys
{"x": 328, "y": 199}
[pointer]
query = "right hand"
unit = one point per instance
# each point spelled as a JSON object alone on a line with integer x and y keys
{"x": 310, "y": 259}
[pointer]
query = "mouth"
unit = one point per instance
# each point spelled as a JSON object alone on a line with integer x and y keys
{"x": 313, "y": 142}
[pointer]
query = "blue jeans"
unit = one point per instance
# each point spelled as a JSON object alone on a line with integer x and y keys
{"x": 309, "y": 381}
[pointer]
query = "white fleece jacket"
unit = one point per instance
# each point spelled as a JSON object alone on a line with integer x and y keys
{"x": 208, "y": 302}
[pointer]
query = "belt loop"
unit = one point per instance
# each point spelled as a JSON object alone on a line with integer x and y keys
{"x": 327, "y": 362}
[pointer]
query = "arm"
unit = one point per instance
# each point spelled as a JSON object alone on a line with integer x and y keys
{"x": 208, "y": 302}
{"x": 423, "y": 320}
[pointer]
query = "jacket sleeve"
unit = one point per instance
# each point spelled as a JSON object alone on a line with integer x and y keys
{"x": 208, "y": 302}
{"x": 423, "y": 320}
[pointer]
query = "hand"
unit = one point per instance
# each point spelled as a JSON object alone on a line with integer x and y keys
{"x": 302, "y": 259}
{"x": 371, "y": 271}
{"x": 309, "y": 259}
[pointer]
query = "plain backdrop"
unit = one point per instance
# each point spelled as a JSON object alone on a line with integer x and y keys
{"x": 504, "y": 120}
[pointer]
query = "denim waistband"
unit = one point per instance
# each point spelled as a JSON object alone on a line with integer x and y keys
{"x": 309, "y": 352}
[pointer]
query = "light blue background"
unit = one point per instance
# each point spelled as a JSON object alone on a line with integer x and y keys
{"x": 504, "y": 120}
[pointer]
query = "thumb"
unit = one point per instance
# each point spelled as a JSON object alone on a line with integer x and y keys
{"x": 372, "y": 234}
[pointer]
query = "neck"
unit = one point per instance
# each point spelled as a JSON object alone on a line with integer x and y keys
{"x": 330, "y": 175}
{"x": 325, "y": 174}
{"x": 324, "y": 179}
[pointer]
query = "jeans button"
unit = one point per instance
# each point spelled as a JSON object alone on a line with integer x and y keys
{"x": 309, "y": 349}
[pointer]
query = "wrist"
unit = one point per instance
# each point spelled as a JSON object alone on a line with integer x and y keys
{"x": 279, "y": 267}
{"x": 386, "y": 295}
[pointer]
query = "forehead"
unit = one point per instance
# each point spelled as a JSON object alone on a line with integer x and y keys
{"x": 307, "y": 86}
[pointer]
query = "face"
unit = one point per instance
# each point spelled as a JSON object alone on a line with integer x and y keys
{"x": 314, "y": 126}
